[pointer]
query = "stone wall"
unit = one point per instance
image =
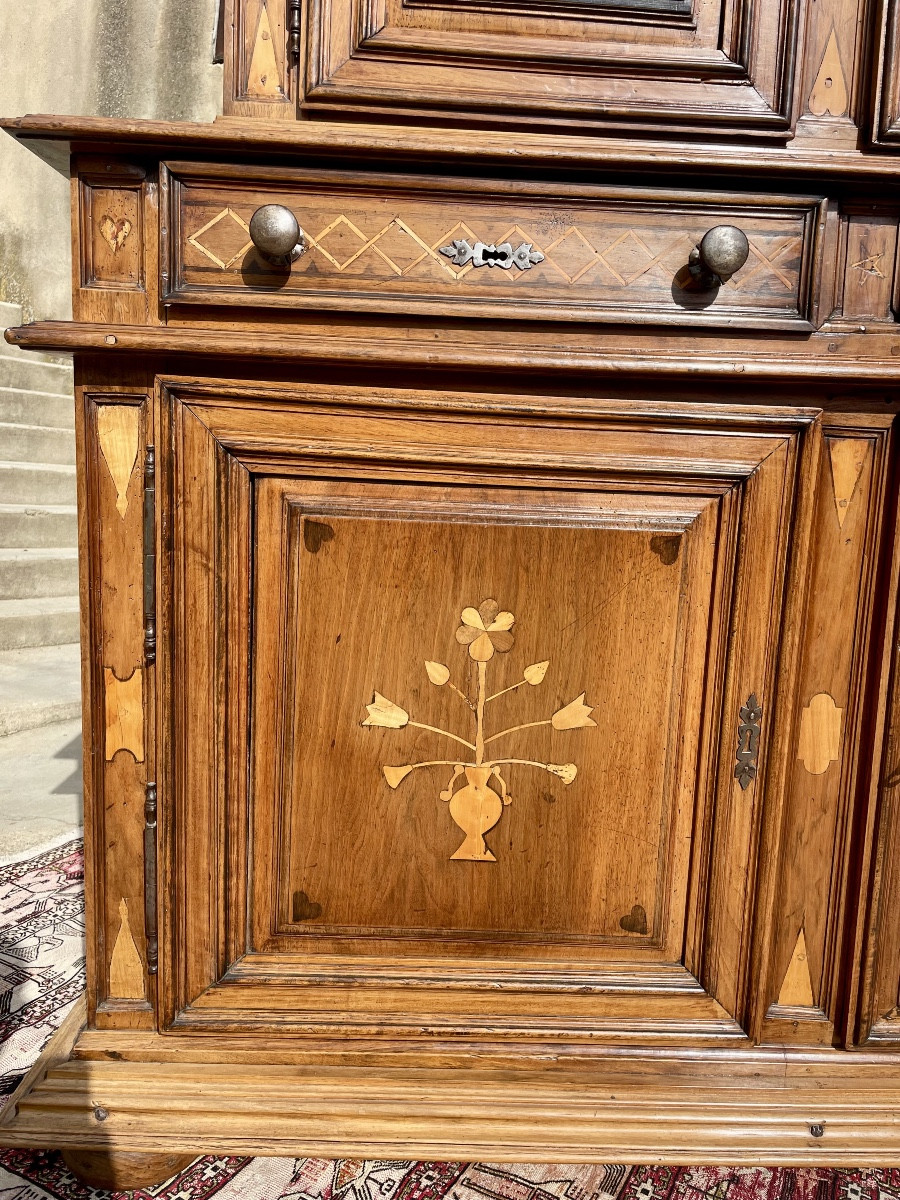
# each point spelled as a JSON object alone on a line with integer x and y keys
{"x": 115, "y": 58}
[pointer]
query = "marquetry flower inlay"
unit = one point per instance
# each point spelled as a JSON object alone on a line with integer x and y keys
{"x": 478, "y": 805}
{"x": 484, "y": 630}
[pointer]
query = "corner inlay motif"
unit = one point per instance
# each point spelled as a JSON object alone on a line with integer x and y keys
{"x": 478, "y": 806}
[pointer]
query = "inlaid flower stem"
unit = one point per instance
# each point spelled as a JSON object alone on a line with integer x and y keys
{"x": 479, "y": 716}
{"x": 465, "y": 698}
{"x": 443, "y": 732}
{"x": 505, "y": 690}
{"x": 515, "y": 729}
{"x": 518, "y": 762}
{"x": 438, "y": 762}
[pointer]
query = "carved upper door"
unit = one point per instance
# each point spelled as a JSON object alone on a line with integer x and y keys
{"x": 474, "y": 709}
{"x": 676, "y": 65}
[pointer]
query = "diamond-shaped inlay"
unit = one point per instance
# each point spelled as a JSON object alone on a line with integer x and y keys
{"x": 397, "y": 249}
{"x": 779, "y": 261}
{"x": 226, "y": 238}
{"x": 341, "y": 242}
{"x": 572, "y": 254}
{"x": 629, "y": 257}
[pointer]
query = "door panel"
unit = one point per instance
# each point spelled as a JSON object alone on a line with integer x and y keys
{"x": 479, "y": 717}
{"x": 727, "y": 68}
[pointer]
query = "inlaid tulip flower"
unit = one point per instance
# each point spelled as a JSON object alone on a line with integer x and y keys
{"x": 478, "y": 805}
{"x": 386, "y": 713}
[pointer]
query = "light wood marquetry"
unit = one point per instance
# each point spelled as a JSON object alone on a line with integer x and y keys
{"x": 264, "y": 78}
{"x": 848, "y": 459}
{"x": 819, "y": 744}
{"x": 118, "y": 428}
{"x": 124, "y": 714}
{"x": 477, "y": 806}
{"x": 829, "y": 92}
{"x": 126, "y": 967}
{"x": 796, "y": 987}
{"x": 115, "y": 231}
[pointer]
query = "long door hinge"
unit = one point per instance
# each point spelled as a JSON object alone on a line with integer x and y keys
{"x": 150, "y": 555}
{"x": 150, "y": 915}
{"x": 294, "y": 28}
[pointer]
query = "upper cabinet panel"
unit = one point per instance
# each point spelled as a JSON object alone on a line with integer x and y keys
{"x": 887, "y": 77}
{"x": 721, "y": 67}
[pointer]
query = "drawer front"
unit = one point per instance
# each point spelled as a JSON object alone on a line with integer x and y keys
{"x": 493, "y": 250}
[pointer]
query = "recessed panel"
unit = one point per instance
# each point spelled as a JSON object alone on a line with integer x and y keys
{"x": 481, "y": 721}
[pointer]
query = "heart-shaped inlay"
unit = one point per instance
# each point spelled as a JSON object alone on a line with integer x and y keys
{"x": 114, "y": 232}
{"x": 635, "y": 921}
{"x": 316, "y": 534}
{"x": 304, "y": 908}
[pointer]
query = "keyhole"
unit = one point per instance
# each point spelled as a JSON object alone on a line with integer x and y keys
{"x": 494, "y": 255}
{"x": 828, "y": 82}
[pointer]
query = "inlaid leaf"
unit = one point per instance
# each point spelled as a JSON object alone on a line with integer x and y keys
{"x": 437, "y": 672}
{"x": 395, "y": 775}
{"x": 536, "y": 672}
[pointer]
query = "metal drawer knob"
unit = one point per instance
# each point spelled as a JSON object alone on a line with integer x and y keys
{"x": 276, "y": 234}
{"x": 722, "y": 251}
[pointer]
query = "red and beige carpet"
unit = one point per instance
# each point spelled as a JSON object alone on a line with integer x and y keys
{"x": 41, "y": 971}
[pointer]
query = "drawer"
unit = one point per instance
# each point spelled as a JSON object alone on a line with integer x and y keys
{"x": 489, "y": 249}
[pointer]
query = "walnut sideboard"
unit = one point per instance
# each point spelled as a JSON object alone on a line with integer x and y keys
{"x": 489, "y": 571}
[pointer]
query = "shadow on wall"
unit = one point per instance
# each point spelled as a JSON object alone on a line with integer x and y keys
{"x": 122, "y": 58}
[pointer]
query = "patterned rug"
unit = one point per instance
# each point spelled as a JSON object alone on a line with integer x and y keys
{"x": 41, "y": 973}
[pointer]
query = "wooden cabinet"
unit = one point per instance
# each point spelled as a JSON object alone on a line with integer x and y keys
{"x": 489, "y": 583}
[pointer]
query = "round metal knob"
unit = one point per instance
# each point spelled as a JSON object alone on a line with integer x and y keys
{"x": 276, "y": 234}
{"x": 722, "y": 251}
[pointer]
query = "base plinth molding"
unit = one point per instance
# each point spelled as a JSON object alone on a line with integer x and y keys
{"x": 166, "y": 1097}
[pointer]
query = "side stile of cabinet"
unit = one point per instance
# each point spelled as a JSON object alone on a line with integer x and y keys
{"x": 876, "y": 948}
{"x": 114, "y": 426}
{"x": 800, "y": 989}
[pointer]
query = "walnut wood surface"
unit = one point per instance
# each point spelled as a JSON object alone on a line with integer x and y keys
{"x": 375, "y": 243}
{"x": 844, "y": 358}
{"x": 362, "y": 140}
{"x": 548, "y": 1116}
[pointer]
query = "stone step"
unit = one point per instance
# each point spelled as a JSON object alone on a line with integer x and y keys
{"x": 40, "y": 787}
{"x": 37, "y": 443}
{"x": 36, "y": 483}
{"x": 34, "y": 374}
{"x": 42, "y": 621}
{"x": 26, "y": 573}
{"x": 21, "y": 407}
{"x": 10, "y": 314}
{"x": 39, "y": 686}
{"x": 38, "y": 525}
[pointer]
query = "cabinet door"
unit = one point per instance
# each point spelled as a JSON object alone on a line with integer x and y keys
{"x": 655, "y": 65}
{"x": 470, "y": 709}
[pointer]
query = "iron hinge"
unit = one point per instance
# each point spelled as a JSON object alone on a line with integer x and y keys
{"x": 294, "y": 29}
{"x": 150, "y": 555}
{"x": 150, "y": 915}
